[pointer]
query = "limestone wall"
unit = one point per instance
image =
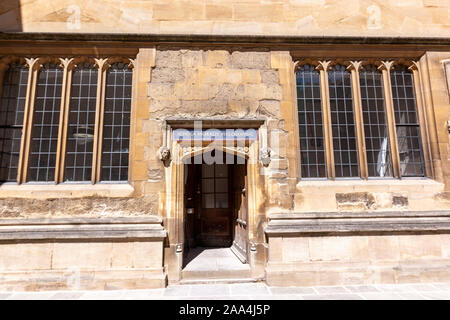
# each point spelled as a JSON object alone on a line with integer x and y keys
{"x": 257, "y": 17}
{"x": 366, "y": 259}
{"x": 83, "y": 253}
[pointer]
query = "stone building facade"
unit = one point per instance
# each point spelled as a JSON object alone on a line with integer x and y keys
{"x": 116, "y": 199}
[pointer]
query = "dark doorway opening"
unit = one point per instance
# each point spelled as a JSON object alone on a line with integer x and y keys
{"x": 215, "y": 206}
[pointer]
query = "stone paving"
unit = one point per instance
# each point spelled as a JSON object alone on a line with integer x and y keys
{"x": 251, "y": 291}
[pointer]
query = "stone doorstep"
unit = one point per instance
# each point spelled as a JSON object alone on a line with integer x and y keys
{"x": 215, "y": 275}
{"x": 218, "y": 281}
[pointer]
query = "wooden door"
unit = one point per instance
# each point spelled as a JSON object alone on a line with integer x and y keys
{"x": 216, "y": 206}
{"x": 240, "y": 241}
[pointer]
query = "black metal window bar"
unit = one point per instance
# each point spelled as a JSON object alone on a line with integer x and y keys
{"x": 44, "y": 138}
{"x": 116, "y": 124}
{"x": 312, "y": 150}
{"x": 12, "y": 105}
{"x": 379, "y": 160}
{"x": 407, "y": 124}
{"x": 343, "y": 123}
{"x": 80, "y": 134}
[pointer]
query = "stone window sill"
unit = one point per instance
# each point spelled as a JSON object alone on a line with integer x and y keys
{"x": 372, "y": 185}
{"x": 66, "y": 190}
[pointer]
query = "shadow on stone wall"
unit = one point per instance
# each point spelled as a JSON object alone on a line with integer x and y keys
{"x": 10, "y": 16}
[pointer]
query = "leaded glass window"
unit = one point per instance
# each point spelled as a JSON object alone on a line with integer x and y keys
{"x": 407, "y": 123}
{"x": 80, "y": 135}
{"x": 312, "y": 151}
{"x": 116, "y": 125}
{"x": 376, "y": 133}
{"x": 343, "y": 123}
{"x": 44, "y": 137}
{"x": 12, "y": 104}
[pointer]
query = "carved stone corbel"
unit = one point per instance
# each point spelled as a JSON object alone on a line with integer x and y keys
{"x": 164, "y": 151}
{"x": 164, "y": 154}
{"x": 265, "y": 156}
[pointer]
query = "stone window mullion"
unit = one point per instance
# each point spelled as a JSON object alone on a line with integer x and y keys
{"x": 359, "y": 126}
{"x": 63, "y": 117}
{"x": 34, "y": 65}
{"x": 424, "y": 124}
{"x": 385, "y": 68}
{"x": 327, "y": 128}
{"x": 102, "y": 65}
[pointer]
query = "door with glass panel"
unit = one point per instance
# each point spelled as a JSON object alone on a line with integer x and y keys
{"x": 216, "y": 206}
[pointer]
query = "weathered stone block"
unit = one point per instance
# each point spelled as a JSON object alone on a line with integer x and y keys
{"x": 270, "y": 77}
{"x": 205, "y": 107}
{"x": 258, "y": 12}
{"x": 93, "y": 255}
{"x": 355, "y": 200}
{"x": 217, "y": 59}
{"x": 279, "y": 143}
{"x": 179, "y": 10}
{"x": 167, "y": 59}
{"x": 250, "y": 60}
{"x": 25, "y": 256}
{"x": 419, "y": 247}
{"x": 122, "y": 255}
{"x": 399, "y": 201}
{"x": 275, "y": 249}
{"x": 277, "y": 174}
{"x": 148, "y": 254}
{"x": 251, "y": 76}
{"x": 273, "y": 91}
{"x": 163, "y": 106}
{"x": 83, "y": 206}
{"x": 295, "y": 249}
{"x": 167, "y": 74}
{"x": 254, "y": 91}
{"x": 218, "y": 12}
{"x": 202, "y": 91}
{"x": 191, "y": 59}
{"x": 279, "y": 164}
{"x": 280, "y": 60}
{"x": 160, "y": 90}
{"x": 155, "y": 174}
{"x": 139, "y": 170}
{"x": 243, "y": 107}
{"x": 269, "y": 108}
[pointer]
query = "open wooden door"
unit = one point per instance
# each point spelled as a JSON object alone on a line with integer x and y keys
{"x": 240, "y": 241}
{"x": 216, "y": 208}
